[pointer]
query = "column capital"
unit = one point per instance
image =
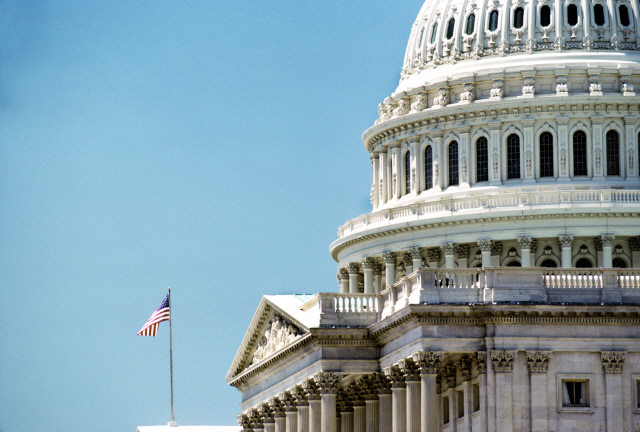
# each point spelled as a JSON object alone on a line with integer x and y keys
{"x": 311, "y": 389}
{"x": 389, "y": 257}
{"x": 607, "y": 239}
{"x": 369, "y": 263}
{"x": 463, "y": 251}
{"x": 464, "y": 366}
{"x": 256, "y": 419}
{"x": 612, "y": 361}
{"x": 395, "y": 375}
{"x": 565, "y": 240}
{"x": 448, "y": 248}
{"x": 327, "y": 382}
{"x": 525, "y": 242}
{"x": 449, "y": 375}
{"x": 409, "y": 369}
{"x": 484, "y": 245}
{"x": 353, "y": 268}
{"x": 538, "y": 361}
{"x": 382, "y": 383}
{"x": 496, "y": 248}
{"x": 368, "y": 387}
{"x": 265, "y": 412}
{"x": 343, "y": 402}
{"x": 343, "y": 274}
{"x": 428, "y": 362}
{"x": 433, "y": 255}
{"x": 244, "y": 421}
{"x": 276, "y": 406}
{"x": 415, "y": 253}
{"x": 301, "y": 396}
{"x": 502, "y": 361}
{"x": 354, "y": 394}
{"x": 480, "y": 360}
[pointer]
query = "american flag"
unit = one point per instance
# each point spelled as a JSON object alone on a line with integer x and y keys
{"x": 163, "y": 313}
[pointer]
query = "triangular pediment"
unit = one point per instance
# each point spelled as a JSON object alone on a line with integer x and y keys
{"x": 279, "y": 322}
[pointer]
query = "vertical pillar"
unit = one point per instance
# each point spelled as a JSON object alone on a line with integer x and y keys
{"x": 465, "y": 159}
{"x": 528, "y": 170}
{"x": 416, "y": 258}
{"x": 428, "y": 362}
{"x": 302, "y": 404}
{"x": 463, "y": 255}
{"x": 396, "y": 168}
{"x": 612, "y": 363}
{"x": 494, "y": 154}
{"x": 390, "y": 267}
{"x": 359, "y": 416}
{"x": 278, "y": 414}
{"x": 598, "y": 157}
{"x": 368, "y": 264}
{"x": 328, "y": 385}
{"x": 354, "y": 270}
{"x": 415, "y": 184}
{"x": 502, "y": 364}
{"x": 398, "y": 399}
{"x": 566, "y": 242}
{"x": 375, "y": 190}
{"x": 313, "y": 397}
{"x": 448, "y": 249}
{"x": 485, "y": 248}
{"x": 464, "y": 367}
{"x": 412, "y": 379}
{"x": 256, "y": 421}
{"x": 343, "y": 280}
{"x": 382, "y": 177}
{"x": 438, "y": 177}
{"x": 538, "y": 365}
{"x": 268, "y": 421}
{"x": 525, "y": 251}
{"x": 377, "y": 277}
{"x": 346, "y": 413}
{"x": 368, "y": 388}
{"x": 450, "y": 380}
{"x": 562, "y": 161}
{"x": 480, "y": 361}
{"x": 633, "y": 158}
{"x": 384, "y": 402}
{"x": 290, "y": 411}
{"x": 607, "y": 242}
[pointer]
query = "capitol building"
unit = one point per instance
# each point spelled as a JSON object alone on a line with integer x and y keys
{"x": 495, "y": 284}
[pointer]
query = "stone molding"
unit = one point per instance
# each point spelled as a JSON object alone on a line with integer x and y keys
{"x": 612, "y": 361}
{"x": 538, "y": 361}
{"x": 502, "y": 361}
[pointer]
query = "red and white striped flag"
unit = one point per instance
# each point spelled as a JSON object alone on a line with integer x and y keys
{"x": 163, "y": 313}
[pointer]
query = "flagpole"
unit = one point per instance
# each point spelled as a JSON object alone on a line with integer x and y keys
{"x": 172, "y": 422}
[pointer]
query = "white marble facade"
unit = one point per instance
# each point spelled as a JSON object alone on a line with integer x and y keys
{"x": 495, "y": 285}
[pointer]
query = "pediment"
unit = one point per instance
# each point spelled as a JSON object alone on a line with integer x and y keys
{"x": 276, "y": 325}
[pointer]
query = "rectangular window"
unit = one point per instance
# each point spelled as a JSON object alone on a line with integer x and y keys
{"x": 575, "y": 393}
{"x": 445, "y": 410}
{"x": 476, "y": 397}
{"x": 460, "y": 404}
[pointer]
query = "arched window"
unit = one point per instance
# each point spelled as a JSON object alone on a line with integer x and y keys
{"x": 514, "y": 263}
{"x": 513, "y": 157}
{"x": 618, "y": 263}
{"x": 428, "y": 168}
{"x": 453, "y": 164}
{"x": 545, "y": 16}
{"x": 613, "y": 153}
{"x": 482, "y": 160}
{"x": 572, "y": 14}
{"x": 493, "y": 20}
{"x": 518, "y": 18}
{"x": 434, "y": 32}
{"x": 407, "y": 172}
{"x": 450, "y": 27}
{"x": 624, "y": 15}
{"x": 584, "y": 263}
{"x": 471, "y": 23}
{"x": 546, "y": 154}
{"x": 579, "y": 153}
{"x": 598, "y": 14}
{"x": 548, "y": 263}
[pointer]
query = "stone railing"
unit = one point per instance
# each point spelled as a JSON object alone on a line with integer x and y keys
{"x": 480, "y": 286}
{"x": 521, "y": 200}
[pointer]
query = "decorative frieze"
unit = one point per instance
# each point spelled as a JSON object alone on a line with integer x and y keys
{"x": 278, "y": 334}
{"x": 428, "y": 362}
{"x": 612, "y": 361}
{"x": 502, "y": 361}
{"x": 538, "y": 361}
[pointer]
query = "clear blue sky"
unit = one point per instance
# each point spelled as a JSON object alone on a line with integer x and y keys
{"x": 209, "y": 146}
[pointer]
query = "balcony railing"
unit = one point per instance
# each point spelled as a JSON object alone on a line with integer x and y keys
{"x": 480, "y": 286}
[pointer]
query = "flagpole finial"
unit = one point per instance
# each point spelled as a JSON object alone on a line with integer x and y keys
{"x": 169, "y": 288}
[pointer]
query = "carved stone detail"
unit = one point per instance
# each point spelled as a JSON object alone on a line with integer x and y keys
{"x": 354, "y": 268}
{"x": 403, "y": 108}
{"x": 496, "y": 92}
{"x": 538, "y": 361}
{"x": 382, "y": 383}
{"x": 561, "y": 85}
{"x": 311, "y": 389}
{"x": 496, "y": 248}
{"x": 612, "y": 361}
{"x": 607, "y": 239}
{"x": 595, "y": 88}
{"x": 469, "y": 93}
{"x": 443, "y": 97}
{"x": 409, "y": 369}
{"x": 420, "y": 104}
{"x": 343, "y": 274}
{"x": 464, "y": 366}
{"x": 448, "y": 248}
{"x": 428, "y": 362}
{"x": 449, "y": 374}
{"x": 369, "y": 263}
{"x": 327, "y": 382}
{"x": 565, "y": 241}
{"x": 528, "y": 86}
{"x": 389, "y": 257}
{"x": 463, "y": 251}
{"x": 395, "y": 375}
{"x": 278, "y": 334}
{"x": 480, "y": 360}
{"x": 525, "y": 242}
{"x": 502, "y": 361}
{"x": 484, "y": 245}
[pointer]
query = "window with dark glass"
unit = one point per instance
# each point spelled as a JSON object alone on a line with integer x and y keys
{"x": 434, "y": 32}
{"x": 407, "y": 172}
{"x": 450, "y": 27}
{"x": 575, "y": 393}
{"x": 624, "y": 15}
{"x": 548, "y": 263}
{"x": 513, "y": 157}
{"x": 460, "y": 404}
{"x": 493, "y": 20}
{"x": 598, "y": 14}
{"x": 453, "y": 164}
{"x": 471, "y": 23}
{"x": 445, "y": 410}
{"x": 476, "y": 397}
{"x": 572, "y": 14}
{"x": 482, "y": 160}
{"x": 618, "y": 263}
{"x": 613, "y": 153}
{"x": 545, "y": 16}
{"x": 579, "y": 153}
{"x": 428, "y": 168}
{"x": 584, "y": 263}
{"x": 546, "y": 154}
{"x": 518, "y": 18}
{"x": 514, "y": 263}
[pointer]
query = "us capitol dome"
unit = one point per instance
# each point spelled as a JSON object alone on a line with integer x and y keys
{"x": 495, "y": 284}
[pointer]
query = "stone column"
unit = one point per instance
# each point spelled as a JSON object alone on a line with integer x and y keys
{"x": 397, "y": 170}
{"x": 528, "y": 170}
{"x": 612, "y": 362}
{"x": 502, "y": 364}
{"x": 302, "y": 404}
{"x": 244, "y": 421}
{"x": 343, "y": 280}
{"x": 480, "y": 361}
{"x": 346, "y": 412}
{"x": 382, "y": 182}
{"x": 496, "y": 250}
{"x": 375, "y": 190}
{"x": 538, "y": 365}
{"x": 607, "y": 242}
{"x": 598, "y": 156}
{"x": 632, "y": 156}
{"x": 438, "y": 177}
{"x": 463, "y": 255}
{"x": 485, "y": 248}
{"x": 256, "y": 421}
{"x": 412, "y": 379}
{"x": 428, "y": 362}
{"x": 449, "y": 377}
{"x": 313, "y": 396}
{"x": 369, "y": 389}
{"x": 416, "y": 258}
{"x": 290, "y": 411}
{"x": 390, "y": 267}
{"x": 495, "y": 145}
{"x": 268, "y": 420}
{"x": 359, "y": 416}
{"x": 525, "y": 251}
{"x": 413, "y": 149}
{"x": 354, "y": 270}
{"x": 562, "y": 164}
{"x": 465, "y": 159}
{"x": 448, "y": 250}
{"x": 368, "y": 264}
{"x": 398, "y": 399}
{"x": 464, "y": 367}
{"x": 328, "y": 384}
{"x": 279, "y": 415}
{"x": 566, "y": 242}
{"x": 377, "y": 277}
{"x": 384, "y": 402}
